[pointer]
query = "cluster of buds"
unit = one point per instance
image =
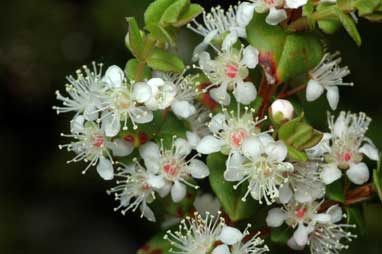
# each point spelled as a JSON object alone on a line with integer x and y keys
{"x": 231, "y": 118}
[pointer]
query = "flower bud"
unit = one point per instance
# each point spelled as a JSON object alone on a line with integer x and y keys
{"x": 281, "y": 111}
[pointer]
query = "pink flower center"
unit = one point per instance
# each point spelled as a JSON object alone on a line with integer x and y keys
{"x": 171, "y": 168}
{"x": 238, "y": 137}
{"x": 300, "y": 212}
{"x": 269, "y": 2}
{"x": 347, "y": 156}
{"x": 98, "y": 141}
{"x": 231, "y": 70}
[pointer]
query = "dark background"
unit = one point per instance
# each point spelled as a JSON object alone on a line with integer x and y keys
{"x": 47, "y": 206}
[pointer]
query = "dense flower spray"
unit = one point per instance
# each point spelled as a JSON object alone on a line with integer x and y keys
{"x": 226, "y": 142}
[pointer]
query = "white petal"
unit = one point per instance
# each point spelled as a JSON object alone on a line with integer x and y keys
{"x": 220, "y": 94}
{"x": 142, "y": 92}
{"x": 111, "y": 125}
{"x": 150, "y": 150}
{"x": 333, "y": 96}
{"x": 156, "y": 181}
{"x": 165, "y": 190}
{"x": 207, "y": 203}
{"x": 105, "y": 169}
{"x": 142, "y": 115}
{"x": 192, "y": 138}
{"x": 330, "y": 173}
{"x": 314, "y": 90}
{"x": 245, "y": 13}
{"x": 182, "y": 147}
{"x": 121, "y": 148}
{"x": 301, "y": 234}
{"x": 221, "y": 249}
{"x": 358, "y": 173}
{"x": 230, "y": 235}
{"x": 276, "y": 16}
{"x": 234, "y": 171}
{"x": 294, "y": 4}
{"x": 335, "y": 213}
{"x": 178, "y": 192}
{"x": 183, "y": 109}
{"x": 370, "y": 151}
{"x": 293, "y": 245}
{"x": 277, "y": 151}
{"x": 229, "y": 40}
{"x": 252, "y": 147}
{"x": 202, "y": 47}
{"x": 147, "y": 212}
{"x": 217, "y": 123}
{"x": 275, "y": 217}
{"x": 250, "y": 57}
{"x": 303, "y": 196}
{"x": 198, "y": 169}
{"x": 245, "y": 92}
{"x": 77, "y": 124}
{"x": 322, "y": 218}
{"x": 209, "y": 144}
{"x": 285, "y": 194}
{"x": 114, "y": 77}
{"x": 155, "y": 83}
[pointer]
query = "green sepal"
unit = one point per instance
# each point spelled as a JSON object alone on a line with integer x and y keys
{"x": 349, "y": 25}
{"x": 229, "y": 198}
{"x": 192, "y": 12}
{"x": 161, "y": 34}
{"x": 131, "y": 69}
{"x": 172, "y": 13}
{"x": 354, "y": 216}
{"x": 162, "y": 60}
{"x": 296, "y": 155}
{"x": 281, "y": 235}
{"x": 157, "y": 244}
{"x": 278, "y": 49}
{"x": 366, "y": 7}
{"x": 155, "y": 10}
{"x": 135, "y": 38}
{"x": 335, "y": 191}
{"x": 375, "y": 17}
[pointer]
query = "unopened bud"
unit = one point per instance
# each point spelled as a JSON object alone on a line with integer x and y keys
{"x": 281, "y": 111}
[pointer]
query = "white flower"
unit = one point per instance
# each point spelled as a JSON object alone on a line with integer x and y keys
{"x": 325, "y": 235}
{"x": 281, "y": 111}
{"x": 304, "y": 184}
{"x": 327, "y": 75}
{"x": 263, "y": 167}
{"x": 228, "y": 73}
{"x": 210, "y": 234}
{"x": 348, "y": 145}
{"x": 300, "y": 216}
{"x": 172, "y": 166}
{"x": 229, "y": 130}
{"x": 207, "y": 203}
{"x": 216, "y": 24}
{"x": 121, "y": 103}
{"x": 175, "y": 90}
{"x": 84, "y": 93}
{"x": 91, "y": 145}
{"x": 198, "y": 123}
{"x": 134, "y": 190}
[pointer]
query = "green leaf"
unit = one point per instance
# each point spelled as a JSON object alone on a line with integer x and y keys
{"x": 173, "y": 12}
{"x": 192, "y": 12}
{"x": 335, "y": 191}
{"x": 131, "y": 69}
{"x": 349, "y": 26}
{"x": 281, "y": 234}
{"x": 287, "y": 129}
{"x": 377, "y": 179}
{"x": 296, "y": 155}
{"x": 155, "y": 11}
{"x": 161, "y": 34}
{"x": 302, "y": 133}
{"x": 345, "y": 5}
{"x": 366, "y": 7}
{"x": 156, "y": 245}
{"x": 171, "y": 126}
{"x": 228, "y": 197}
{"x": 278, "y": 49}
{"x": 162, "y": 60}
{"x": 375, "y": 17}
{"x": 135, "y": 38}
{"x": 355, "y": 217}
{"x": 329, "y": 26}
{"x": 314, "y": 140}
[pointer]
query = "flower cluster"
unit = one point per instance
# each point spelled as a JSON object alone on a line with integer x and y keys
{"x": 233, "y": 118}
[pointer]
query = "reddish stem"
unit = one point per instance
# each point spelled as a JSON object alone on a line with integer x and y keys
{"x": 298, "y": 89}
